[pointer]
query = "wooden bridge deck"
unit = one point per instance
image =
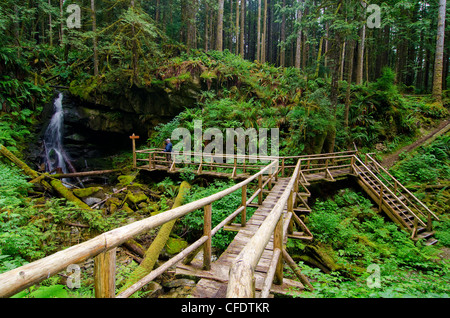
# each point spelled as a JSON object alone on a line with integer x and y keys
{"x": 214, "y": 281}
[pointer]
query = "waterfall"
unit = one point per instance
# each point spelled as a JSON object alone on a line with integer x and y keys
{"x": 54, "y": 150}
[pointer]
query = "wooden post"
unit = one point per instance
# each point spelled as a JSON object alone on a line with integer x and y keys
{"x": 153, "y": 161}
{"x": 278, "y": 243}
{"x": 260, "y": 187}
{"x": 429, "y": 224}
{"x": 352, "y": 168}
{"x": 290, "y": 203}
{"x": 244, "y": 204}
{"x": 381, "y": 197}
{"x": 133, "y": 141}
{"x": 105, "y": 274}
{"x": 207, "y": 232}
{"x": 282, "y": 167}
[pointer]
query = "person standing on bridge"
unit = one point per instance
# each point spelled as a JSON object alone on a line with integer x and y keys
{"x": 168, "y": 150}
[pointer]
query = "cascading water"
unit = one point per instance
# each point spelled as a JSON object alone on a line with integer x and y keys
{"x": 54, "y": 150}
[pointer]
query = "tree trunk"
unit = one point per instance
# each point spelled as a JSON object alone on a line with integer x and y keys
{"x": 242, "y": 28}
{"x": 360, "y": 60}
{"x": 283, "y": 37}
{"x": 61, "y": 31}
{"x": 258, "y": 34}
{"x": 237, "y": 27}
{"x": 50, "y": 27}
{"x": 349, "y": 84}
{"x": 264, "y": 35}
{"x": 298, "y": 48}
{"x": 134, "y": 58}
{"x": 94, "y": 30}
{"x": 439, "y": 57}
{"x": 219, "y": 37}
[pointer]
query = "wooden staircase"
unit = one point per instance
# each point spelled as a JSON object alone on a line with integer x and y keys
{"x": 395, "y": 200}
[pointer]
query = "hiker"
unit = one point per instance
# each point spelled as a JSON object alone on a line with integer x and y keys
{"x": 168, "y": 149}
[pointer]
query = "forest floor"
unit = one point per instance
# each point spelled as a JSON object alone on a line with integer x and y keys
{"x": 391, "y": 159}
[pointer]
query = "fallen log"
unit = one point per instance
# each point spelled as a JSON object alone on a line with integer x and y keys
{"x": 297, "y": 271}
{"x": 36, "y": 177}
{"x": 152, "y": 253}
{"x": 83, "y": 174}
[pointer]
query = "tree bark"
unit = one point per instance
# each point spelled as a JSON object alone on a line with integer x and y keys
{"x": 94, "y": 29}
{"x": 242, "y": 29}
{"x": 360, "y": 60}
{"x": 219, "y": 37}
{"x": 298, "y": 49}
{"x": 439, "y": 57}
{"x": 264, "y": 35}
{"x": 349, "y": 83}
{"x": 283, "y": 37}
{"x": 258, "y": 35}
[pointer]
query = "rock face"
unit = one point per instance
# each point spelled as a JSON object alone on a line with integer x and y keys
{"x": 98, "y": 125}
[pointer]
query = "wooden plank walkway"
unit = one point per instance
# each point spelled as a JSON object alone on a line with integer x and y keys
{"x": 213, "y": 283}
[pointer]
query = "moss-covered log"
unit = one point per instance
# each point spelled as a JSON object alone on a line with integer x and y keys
{"x": 37, "y": 177}
{"x": 152, "y": 253}
{"x": 67, "y": 194}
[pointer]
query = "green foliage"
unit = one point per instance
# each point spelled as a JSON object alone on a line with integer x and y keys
{"x": 29, "y": 229}
{"x": 220, "y": 210}
{"x": 359, "y": 237}
{"x": 427, "y": 165}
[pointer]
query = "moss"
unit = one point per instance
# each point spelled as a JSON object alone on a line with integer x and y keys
{"x": 136, "y": 198}
{"x": 127, "y": 209}
{"x": 86, "y": 192}
{"x": 126, "y": 180}
{"x": 175, "y": 245}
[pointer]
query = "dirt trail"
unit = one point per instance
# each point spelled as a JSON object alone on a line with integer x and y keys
{"x": 392, "y": 158}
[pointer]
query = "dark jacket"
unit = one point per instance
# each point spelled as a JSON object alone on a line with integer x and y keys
{"x": 168, "y": 147}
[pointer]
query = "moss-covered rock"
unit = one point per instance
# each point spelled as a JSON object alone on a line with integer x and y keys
{"x": 87, "y": 192}
{"x": 126, "y": 179}
{"x": 175, "y": 245}
{"x": 136, "y": 197}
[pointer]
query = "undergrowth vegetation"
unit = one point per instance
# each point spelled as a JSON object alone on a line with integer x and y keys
{"x": 358, "y": 239}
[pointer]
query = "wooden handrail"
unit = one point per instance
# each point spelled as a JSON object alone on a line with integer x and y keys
{"x": 240, "y": 284}
{"x": 402, "y": 186}
{"x": 20, "y": 278}
{"x": 389, "y": 190}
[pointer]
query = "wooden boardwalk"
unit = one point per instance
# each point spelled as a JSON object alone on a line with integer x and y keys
{"x": 214, "y": 281}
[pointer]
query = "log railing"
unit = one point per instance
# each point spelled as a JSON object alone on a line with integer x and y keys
{"x": 400, "y": 191}
{"x": 201, "y": 161}
{"x": 102, "y": 247}
{"x": 241, "y": 280}
{"x": 363, "y": 169}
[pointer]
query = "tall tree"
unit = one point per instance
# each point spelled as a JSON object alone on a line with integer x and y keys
{"x": 298, "y": 47}
{"x": 258, "y": 34}
{"x": 439, "y": 57}
{"x": 360, "y": 57}
{"x": 283, "y": 35}
{"x": 264, "y": 35}
{"x": 242, "y": 44}
{"x": 94, "y": 39}
{"x": 219, "y": 37}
